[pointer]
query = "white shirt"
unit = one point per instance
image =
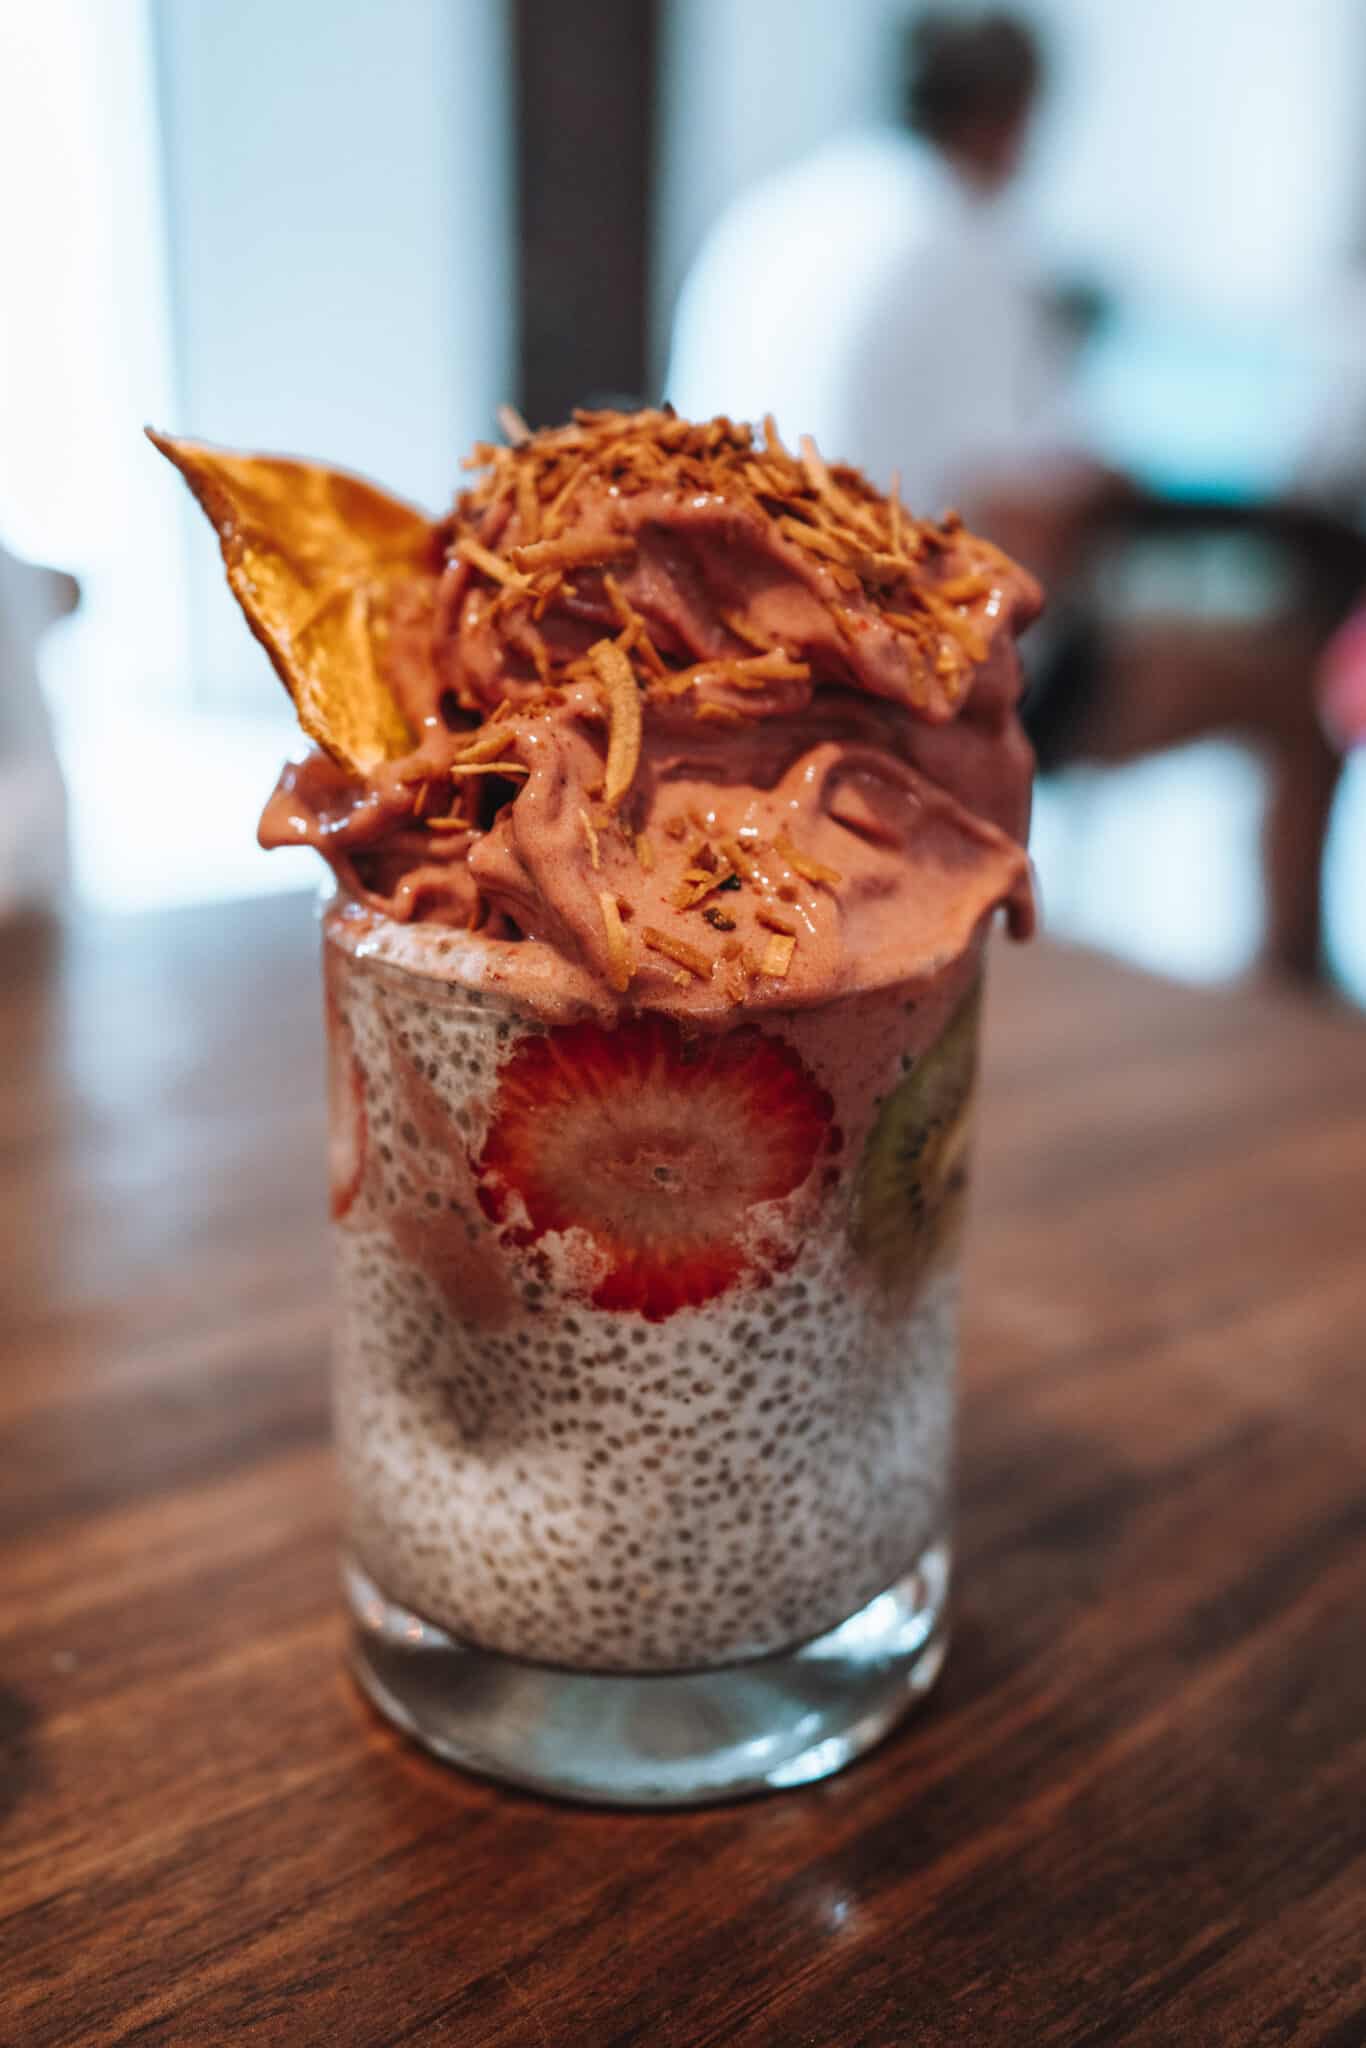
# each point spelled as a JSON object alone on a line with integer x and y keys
{"x": 869, "y": 298}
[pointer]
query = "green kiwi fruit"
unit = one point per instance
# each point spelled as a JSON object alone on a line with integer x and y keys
{"x": 911, "y": 1193}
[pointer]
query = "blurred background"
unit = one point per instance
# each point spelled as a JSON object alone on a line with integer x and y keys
{"x": 350, "y": 228}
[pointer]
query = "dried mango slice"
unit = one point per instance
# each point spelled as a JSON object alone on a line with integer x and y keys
{"x": 332, "y": 574}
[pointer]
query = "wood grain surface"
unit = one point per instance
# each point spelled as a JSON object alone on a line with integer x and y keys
{"x": 1135, "y": 1811}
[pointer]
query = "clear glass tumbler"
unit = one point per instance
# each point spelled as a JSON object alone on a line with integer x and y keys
{"x": 645, "y": 1359}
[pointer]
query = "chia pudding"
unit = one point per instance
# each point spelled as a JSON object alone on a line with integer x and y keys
{"x": 612, "y": 1487}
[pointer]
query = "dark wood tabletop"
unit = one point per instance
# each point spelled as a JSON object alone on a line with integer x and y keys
{"x": 1134, "y": 1811}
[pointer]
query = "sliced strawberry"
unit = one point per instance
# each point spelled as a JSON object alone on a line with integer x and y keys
{"x": 658, "y": 1146}
{"x": 346, "y": 1123}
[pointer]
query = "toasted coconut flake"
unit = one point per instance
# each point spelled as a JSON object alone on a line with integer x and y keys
{"x": 777, "y": 920}
{"x": 773, "y": 440}
{"x": 778, "y": 955}
{"x": 775, "y": 666}
{"x": 691, "y": 957}
{"x": 780, "y": 480}
{"x": 482, "y": 745}
{"x": 590, "y": 834}
{"x": 759, "y": 480}
{"x": 961, "y": 629}
{"x": 572, "y": 554}
{"x": 697, "y": 884}
{"x": 493, "y": 566}
{"x": 630, "y": 619}
{"x": 815, "y": 539}
{"x": 812, "y": 870}
{"x": 740, "y": 860}
{"x": 555, "y": 511}
{"x": 515, "y": 428}
{"x": 919, "y": 625}
{"x": 528, "y": 506}
{"x": 854, "y": 518}
{"x": 725, "y": 672}
{"x": 721, "y": 714}
{"x": 550, "y": 588}
{"x": 813, "y": 467}
{"x": 736, "y": 624}
{"x": 624, "y": 719}
{"x": 454, "y": 823}
{"x": 879, "y": 569}
{"x": 645, "y": 853}
{"x": 507, "y": 601}
{"x": 420, "y": 801}
{"x": 488, "y": 768}
{"x": 649, "y": 653}
{"x": 624, "y": 612}
{"x": 964, "y": 589}
{"x": 619, "y": 962}
{"x": 676, "y": 684}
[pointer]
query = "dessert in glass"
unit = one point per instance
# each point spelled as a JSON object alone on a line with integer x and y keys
{"x": 670, "y": 787}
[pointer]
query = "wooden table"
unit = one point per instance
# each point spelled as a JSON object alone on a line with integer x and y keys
{"x": 1134, "y": 1812}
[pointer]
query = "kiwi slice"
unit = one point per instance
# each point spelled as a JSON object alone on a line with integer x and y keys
{"x": 911, "y": 1193}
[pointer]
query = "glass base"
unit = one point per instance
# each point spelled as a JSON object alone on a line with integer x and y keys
{"x": 663, "y": 1738}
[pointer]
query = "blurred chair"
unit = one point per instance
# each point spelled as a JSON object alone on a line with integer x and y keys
{"x": 1179, "y": 621}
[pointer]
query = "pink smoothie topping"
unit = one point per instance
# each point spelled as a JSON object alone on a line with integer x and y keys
{"x": 674, "y": 720}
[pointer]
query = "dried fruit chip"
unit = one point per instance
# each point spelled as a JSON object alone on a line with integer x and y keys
{"x": 326, "y": 567}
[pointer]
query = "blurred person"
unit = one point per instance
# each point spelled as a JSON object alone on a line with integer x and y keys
{"x": 880, "y": 295}
{"x": 33, "y": 840}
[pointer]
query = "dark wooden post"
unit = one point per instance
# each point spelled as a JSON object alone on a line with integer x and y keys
{"x": 585, "y": 112}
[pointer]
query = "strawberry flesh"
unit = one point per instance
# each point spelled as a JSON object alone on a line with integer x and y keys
{"x": 658, "y": 1146}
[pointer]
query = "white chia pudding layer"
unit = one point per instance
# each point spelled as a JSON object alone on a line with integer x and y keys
{"x": 595, "y": 1486}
